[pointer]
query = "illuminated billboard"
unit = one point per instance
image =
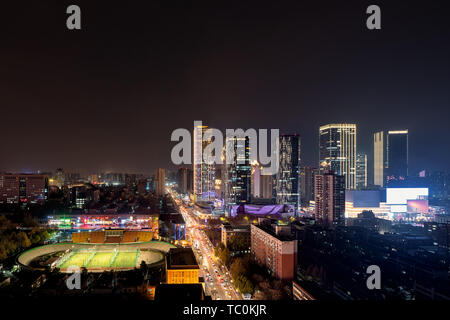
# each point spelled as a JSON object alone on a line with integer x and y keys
{"x": 418, "y": 206}
{"x": 400, "y": 196}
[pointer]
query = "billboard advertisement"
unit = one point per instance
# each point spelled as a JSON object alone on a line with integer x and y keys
{"x": 402, "y": 195}
{"x": 418, "y": 206}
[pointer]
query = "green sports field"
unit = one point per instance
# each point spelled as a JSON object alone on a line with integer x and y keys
{"x": 125, "y": 260}
{"x": 78, "y": 259}
{"x": 99, "y": 260}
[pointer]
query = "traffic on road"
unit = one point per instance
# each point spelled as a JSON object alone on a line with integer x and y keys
{"x": 218, "y": 280}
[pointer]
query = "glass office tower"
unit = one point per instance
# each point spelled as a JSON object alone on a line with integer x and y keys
{"x": 287, "y": 182}
{"x": 361, "y": 170}
{"x": 337, "y": 151}
{"x": 238, "y": 174}
{"x": 390, "y": 156}
{"x": 203, "y": 173}
{"x": 329, "y": 199}
{"x": 397, "y": 155}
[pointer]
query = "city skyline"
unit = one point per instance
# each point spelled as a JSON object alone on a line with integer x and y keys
{"x": 108, "y": 97}
{"x": 186, "y": 152}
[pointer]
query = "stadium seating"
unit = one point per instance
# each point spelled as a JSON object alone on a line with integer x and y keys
{"x": 97, "y": 237}
{"x": 80, "y": 237}
{"x": 129, "y": 236}
{"x": 145, "y": 236}
{"x": 118, "y": 236}
{"x": 112, "y": 239}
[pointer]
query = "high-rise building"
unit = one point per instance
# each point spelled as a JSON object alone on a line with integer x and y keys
{"x": 219, "y": 185}
{"x": 361, "y": 171}
{"x": 397, "y": 155}
{"x": 287, "y": 184}
{"x": 390, "y": 156}
{"x": 274, "y": 247}
{"x": 23, "y": 188}
{"x": 184, "y": 178}
{"x": 237, "y": 175}
{"x": 379, "y": 158}
{"x": 329, "y": 198}
{"x": 256, "y": 180}
{"x": 267, "y": 186}
{"x": 59, "y": 177}
{"x": 307, "y": 174}
{"x": 204, "y": 174}
{"x": 261, "y": 185}
{"x": 337, "y": 150}
{"x": 160, "y": 178}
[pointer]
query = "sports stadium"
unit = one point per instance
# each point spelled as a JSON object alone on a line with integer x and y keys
{"x": 98, "y": 251}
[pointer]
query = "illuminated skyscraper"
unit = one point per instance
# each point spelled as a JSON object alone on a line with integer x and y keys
{"x": 379, "y": 158}
{"x": 204, "y": 174}
{"x": 160, "y": 178}
{"x": 361, "y": 170}
{"x": 329, "y": 198}
{"x": 390, "y": 156}
{"x": 256, "y": 180}
{"x": 397, "y": 155}
{"x": 307, "y": 184}
{"x": 184, "y": 178}
{"x": 266, "y": 187}
{"x": 337, "y": 150}
{"x": 237, "y": 175}
{"x": 59, "y": 177}
{"x": 262, "y": 185}
{"x": 219, "y": 183}
{"x": 287, "y": 184}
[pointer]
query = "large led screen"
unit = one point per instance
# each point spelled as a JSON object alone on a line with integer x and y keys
{"x": 402, "y": 195}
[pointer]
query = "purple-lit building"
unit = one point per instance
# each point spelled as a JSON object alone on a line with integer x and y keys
{"x": 262, "y": 210}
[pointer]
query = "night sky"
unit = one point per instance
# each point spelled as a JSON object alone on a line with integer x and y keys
{"x": 107, "y": 97}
